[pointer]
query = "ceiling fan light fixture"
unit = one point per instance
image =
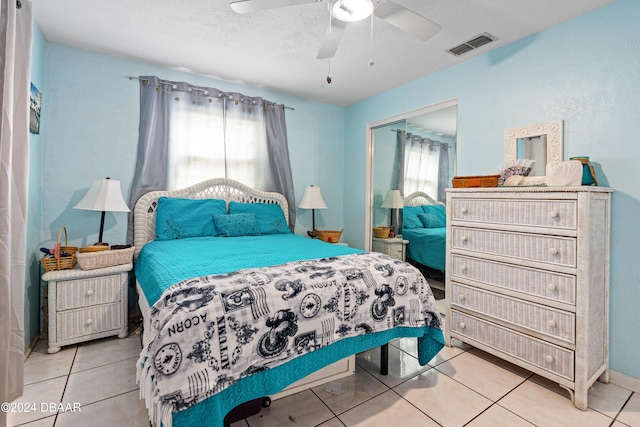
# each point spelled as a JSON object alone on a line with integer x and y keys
{"x": 352, "y": 10}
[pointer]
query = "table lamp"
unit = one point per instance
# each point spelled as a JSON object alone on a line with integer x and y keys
{"x": 392, "y": 201}
{"x": 104, "y": 195}
{"x": 312, "y": 199}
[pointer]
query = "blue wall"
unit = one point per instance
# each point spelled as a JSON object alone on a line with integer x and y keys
{"x": 585, "y": 72}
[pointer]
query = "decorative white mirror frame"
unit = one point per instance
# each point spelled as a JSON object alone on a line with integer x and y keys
{"x": 553, "y": 131}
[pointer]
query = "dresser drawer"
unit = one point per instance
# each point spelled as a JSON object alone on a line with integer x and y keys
{"x": 529, "y": 281}
{"x": 87, "y": 321}
{"x": 541, "y": 321}
{"x": 86, "y": 292}
{"x": 534, "y": 213}
{"x": 548, "y": 249}
{"x": 549, "y": 357}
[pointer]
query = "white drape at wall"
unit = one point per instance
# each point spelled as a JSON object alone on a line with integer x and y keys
{"x": 425, "y": 161}
{"x": 15, "y": 61}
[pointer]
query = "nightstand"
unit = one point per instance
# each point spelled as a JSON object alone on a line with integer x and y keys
{"x": 393, "y": 246}
{"x": 86, "y": 304}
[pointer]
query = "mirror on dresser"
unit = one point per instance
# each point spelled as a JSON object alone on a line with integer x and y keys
{"x": 541, "y": 142}
{"x": 428, "y": 136}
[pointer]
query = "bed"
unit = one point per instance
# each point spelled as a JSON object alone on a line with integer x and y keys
{"x": 424, "y": 226}
{"x": 231, "y": 319}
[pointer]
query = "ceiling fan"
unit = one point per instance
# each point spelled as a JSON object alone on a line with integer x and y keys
{"x": 345, "y": 11}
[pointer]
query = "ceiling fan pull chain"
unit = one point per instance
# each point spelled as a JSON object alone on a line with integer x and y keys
{"x": 371, "y": 63}
{"x": 329, "y": 74}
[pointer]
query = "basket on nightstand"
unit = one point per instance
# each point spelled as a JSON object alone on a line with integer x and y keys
{"x": 102, "y": 259}
{"x": 330, "y": 236}
{"x": 62, "y": 262}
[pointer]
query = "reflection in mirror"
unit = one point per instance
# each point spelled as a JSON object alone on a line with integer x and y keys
{"x": 534, "y": 148}
{"x": 540, "y": 142}
{"x": 412, "y": 152}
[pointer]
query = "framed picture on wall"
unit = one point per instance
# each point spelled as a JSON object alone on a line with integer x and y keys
{"x": 34, "y": 116}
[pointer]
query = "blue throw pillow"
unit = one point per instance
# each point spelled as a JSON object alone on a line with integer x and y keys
{"x": 178, "y": 218}
{"x": 430, "y": 220}
{"x": 410, "y": 217}
{"x": 438, "y": 211}
{"x": 269, "y": 216}
{"x": 235, "y": 225}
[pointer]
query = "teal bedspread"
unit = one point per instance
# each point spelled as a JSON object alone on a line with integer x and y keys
{"x": 162, "y": 263}
{"x": 427, "y": 246}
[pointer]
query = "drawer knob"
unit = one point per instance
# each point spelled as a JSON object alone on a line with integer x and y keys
{"x": 551, "y": 323}
{"x": 548, "y": 359}
{"x": 464, "y": 210}
{"x": 552, "y": 286}
{"x": 90, "y": 292}
{"x": 462, "y": 325}
{"x": 89, "y": 322}
{"x": 553, "y": 251}
{"x": 464, "y": 238}
{"x": 463, "y": 267}
{"x": 462, "y": 297}
{"x": 554, "y": 214}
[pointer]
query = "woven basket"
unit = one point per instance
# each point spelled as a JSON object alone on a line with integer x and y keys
{"x": 381, "y": 232}
{"x": 94, "y": 248}
{"x": 475, "y": 181}
{"x": 63, "y": 262}
{"x": 330, "y": 236}
{"x": 102, "y": 259}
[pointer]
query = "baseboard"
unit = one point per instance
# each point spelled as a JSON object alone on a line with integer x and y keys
{"x": 31, "y": 346}
{"x": 630, "y": 383}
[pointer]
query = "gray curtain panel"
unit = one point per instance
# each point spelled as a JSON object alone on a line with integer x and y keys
{"x": 401, "y": 137}
{"x": 443, "y": 172}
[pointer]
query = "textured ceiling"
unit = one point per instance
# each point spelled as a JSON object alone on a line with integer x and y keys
{"x": 276, "y": 49}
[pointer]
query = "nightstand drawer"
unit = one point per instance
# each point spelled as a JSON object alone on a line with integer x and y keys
{"x": 87, "y": 321}
{"x": 547, "y": 356}
{"x": 86, "y": 292}
{"x": 534, "y": 319}
{"x": 532, "y": 213}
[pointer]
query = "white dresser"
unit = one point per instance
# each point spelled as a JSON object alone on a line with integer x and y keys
{"x": 527, "y": 279}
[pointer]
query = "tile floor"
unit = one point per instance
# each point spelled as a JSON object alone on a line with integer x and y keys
{"x": 461, "y": 386}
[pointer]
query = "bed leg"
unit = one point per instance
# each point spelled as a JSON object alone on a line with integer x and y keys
{"x": 384, "y": 359}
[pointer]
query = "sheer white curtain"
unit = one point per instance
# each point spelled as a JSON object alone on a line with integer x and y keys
{"x": 211, "y": 137}
{"x": 421, "y": 165}
{"x": 15, "y": 59}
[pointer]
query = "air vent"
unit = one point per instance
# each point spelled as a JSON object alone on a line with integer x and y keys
{"x": 472, "y": 44}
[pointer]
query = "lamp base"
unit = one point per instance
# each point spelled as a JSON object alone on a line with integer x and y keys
{"x": 313, "y": 234}
{"x": 100, "y": 244}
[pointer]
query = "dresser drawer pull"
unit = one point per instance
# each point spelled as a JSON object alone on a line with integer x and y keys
{"x": 554, "y": 214}
{"x": 464, "y": 238}
{"x": 462, "y": 297}
{"x": 462, "y": 325}
{"x": 551, "y": 323}
{"x": 553, "y": 251}
{"x": 89, "y": 322}
{"x": 548, "y": 359}
{"x": 90, "y": 292}
{"x": 552, "y": 286}
{"x": 463, "y": 268}
{"x": 464, "y": 210}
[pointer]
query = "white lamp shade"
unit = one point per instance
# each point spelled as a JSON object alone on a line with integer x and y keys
{"x": 393, "y": 200}
{"x": 312, "y": 199}
{"x": 103, "y": 195}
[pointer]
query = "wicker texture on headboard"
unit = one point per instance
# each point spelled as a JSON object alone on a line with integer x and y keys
{"x": 144, "y": 215}
{"x": 419, "y": 198}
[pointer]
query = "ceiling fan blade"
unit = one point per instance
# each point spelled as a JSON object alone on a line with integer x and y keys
{"x": 407, "y": 20}
{"x": 337, "y": 30}
{"x": 248, "y": 6}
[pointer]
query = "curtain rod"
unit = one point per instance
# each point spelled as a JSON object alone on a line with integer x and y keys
{"x": 200, "y": 89}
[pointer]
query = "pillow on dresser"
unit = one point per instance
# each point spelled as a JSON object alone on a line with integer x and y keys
{"x": 236, "y": 225}
{"x": 410, "y": 219}
{"x": 269, "y": 216}
{"x": 178, "y": 218}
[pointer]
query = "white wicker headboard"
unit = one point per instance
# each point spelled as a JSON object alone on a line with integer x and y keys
{"x": 419, "y": 198}
{"x": 144, "y": 214}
